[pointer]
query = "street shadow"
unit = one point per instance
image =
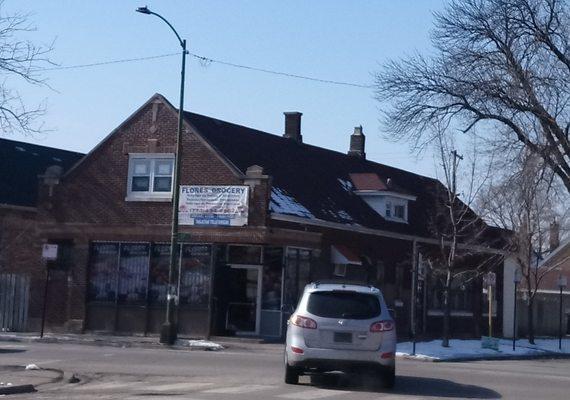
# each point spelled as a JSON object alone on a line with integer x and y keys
{"x": 8, "y": 351}
{"x": 405, "y": 385}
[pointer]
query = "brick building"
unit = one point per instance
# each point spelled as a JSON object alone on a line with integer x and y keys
{"x": 22, "y": 278}
{"x": 311, "y": 214}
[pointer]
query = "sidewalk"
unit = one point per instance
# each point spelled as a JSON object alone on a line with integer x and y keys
{"x": 465, "y": 350}
{"x": 218, "y": 343}
{"x": 17, "y": 379}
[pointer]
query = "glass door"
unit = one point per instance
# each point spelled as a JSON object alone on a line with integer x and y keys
{"x": 244, "y": 306}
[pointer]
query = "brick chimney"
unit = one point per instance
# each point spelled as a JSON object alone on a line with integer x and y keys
{"x": 554, "y": 235}
{"x": 293, "y": 126}
{"x": 357, "y": 141}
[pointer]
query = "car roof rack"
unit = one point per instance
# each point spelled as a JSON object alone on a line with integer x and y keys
{"x": 341, "y": 282}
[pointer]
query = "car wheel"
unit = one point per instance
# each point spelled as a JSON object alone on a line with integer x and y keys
{"x": 389, "y": 378}
{"x": 291, "y": 373}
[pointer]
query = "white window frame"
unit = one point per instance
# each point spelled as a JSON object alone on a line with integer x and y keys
{"x": 150, "y": 195}
{"x": 394, "y": 202}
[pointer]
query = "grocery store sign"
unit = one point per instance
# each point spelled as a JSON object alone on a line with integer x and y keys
{"x": 213, "y": 205}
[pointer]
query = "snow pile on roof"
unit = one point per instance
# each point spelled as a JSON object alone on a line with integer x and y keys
{"x": 282, "y": 203}
{"x": 346, "y": 185}
{"x": 471, "y": 349}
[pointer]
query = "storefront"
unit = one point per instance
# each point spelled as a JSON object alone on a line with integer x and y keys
{"x": 245, "y": 290}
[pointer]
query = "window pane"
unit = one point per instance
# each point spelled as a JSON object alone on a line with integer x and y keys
{"x": 103, "y": 272}
{"x": 140, "y": 184}
{"x": 195, "y": 275}
{"x": 399, "y": 211}
{"x": 159, "y": 263}
{"x": 133, "y": 273}
{"x": 141, "y": 167}
{"x": 163, "y": 167}
{"x": 162, "y": 184}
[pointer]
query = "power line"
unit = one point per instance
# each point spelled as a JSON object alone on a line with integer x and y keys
{"x": 268, "y": 71}
{"x": 107, "y": 62}
{"x": 204, "y": 59}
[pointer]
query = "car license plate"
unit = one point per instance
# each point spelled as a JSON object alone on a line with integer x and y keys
{"x": 343, "y": 337}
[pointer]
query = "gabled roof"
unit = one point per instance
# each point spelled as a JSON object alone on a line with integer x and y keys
{"x": 21, "y": 164}
{"x": 315, "y": 183}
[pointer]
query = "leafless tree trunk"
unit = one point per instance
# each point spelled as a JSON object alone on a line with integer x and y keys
{"x": 457, "y": 223}
{"x": 525, "y": 200}
{"x": 503, "y": 65}
{"x": 20, "y": 60}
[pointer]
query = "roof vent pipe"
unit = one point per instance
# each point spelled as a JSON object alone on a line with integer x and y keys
{"x": 357, "y": 142}
{"x": 293, "y": 126}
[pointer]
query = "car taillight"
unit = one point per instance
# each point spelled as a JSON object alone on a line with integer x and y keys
{"x": 382, "y": 326}
{"x": 304, "y": 322}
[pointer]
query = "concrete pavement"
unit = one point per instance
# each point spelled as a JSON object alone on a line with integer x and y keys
{"x": 240, "y": 374}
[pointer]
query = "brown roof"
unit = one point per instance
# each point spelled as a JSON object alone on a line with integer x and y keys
{"x": 367, "y": 181}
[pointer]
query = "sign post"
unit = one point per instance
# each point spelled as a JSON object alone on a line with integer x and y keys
{"x": 490, "y": 280}
{"x": 49, "y": 253}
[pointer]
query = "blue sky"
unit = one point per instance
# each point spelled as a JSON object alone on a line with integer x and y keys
{"x": 334, "y": 40}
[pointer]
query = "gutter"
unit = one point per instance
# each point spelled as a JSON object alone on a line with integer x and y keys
{"x": 379, "y": 232}
{"x": 18, "y": 208}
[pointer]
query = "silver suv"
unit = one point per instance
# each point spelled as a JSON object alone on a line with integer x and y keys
{"x": 340, "y": 327}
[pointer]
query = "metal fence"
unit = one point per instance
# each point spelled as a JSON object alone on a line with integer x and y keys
{"x": 14, "y": 299}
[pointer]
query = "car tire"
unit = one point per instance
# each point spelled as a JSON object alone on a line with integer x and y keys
{"x": 388, "y": 378}
{"x": 291, "y": 375}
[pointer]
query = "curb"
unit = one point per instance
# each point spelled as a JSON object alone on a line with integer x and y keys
{"x": 17, "y": 389}
{"x": 101, "y": 342}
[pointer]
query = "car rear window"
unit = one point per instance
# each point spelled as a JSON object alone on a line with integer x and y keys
{"x": 343, "y": 304}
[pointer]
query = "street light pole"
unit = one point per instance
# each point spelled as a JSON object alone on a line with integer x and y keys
{"x": 516, "y": 280}
{"x": 562, "y": 281}
{"x": 169, "y": 330}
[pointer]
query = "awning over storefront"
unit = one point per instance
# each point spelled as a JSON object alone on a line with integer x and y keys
{"x": 341, "y": 254}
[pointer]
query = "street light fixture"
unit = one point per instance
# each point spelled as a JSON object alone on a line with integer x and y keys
{"x": 169, "y": 329}
{"x": 562, "y": 282}
{"x": 516, "y": 280}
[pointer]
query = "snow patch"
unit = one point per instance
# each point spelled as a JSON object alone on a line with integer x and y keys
{"x": 200, "y": 344}
{"x": 283, "y": 203}
{"x": 472, "y": 349}
{"x": 32, "y": 367}
{"x": 346, "y": 185}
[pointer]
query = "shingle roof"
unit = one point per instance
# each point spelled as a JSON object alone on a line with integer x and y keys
{"x": 313, "y": 182}
{"x": 20, "y": 165}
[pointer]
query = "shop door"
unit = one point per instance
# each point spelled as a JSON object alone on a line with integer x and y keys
{"x": 244, "y": 306}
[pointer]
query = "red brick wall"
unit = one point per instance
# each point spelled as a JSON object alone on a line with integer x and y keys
{"x": 95, "y": 191}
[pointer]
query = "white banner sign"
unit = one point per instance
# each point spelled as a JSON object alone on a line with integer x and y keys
{"x": 49, "y": 252}
{"x": 213, "y": 205}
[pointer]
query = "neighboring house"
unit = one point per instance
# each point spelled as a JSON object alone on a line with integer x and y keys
{"x": 547, "y": 301}
{"x": 311, "y": 214}
{"x": 22, "y": 166}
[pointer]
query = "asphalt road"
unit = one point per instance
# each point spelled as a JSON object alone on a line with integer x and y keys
{"x": 134, "y": 373}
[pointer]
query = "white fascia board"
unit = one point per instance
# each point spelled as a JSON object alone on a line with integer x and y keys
{"x": 385, "y": 193}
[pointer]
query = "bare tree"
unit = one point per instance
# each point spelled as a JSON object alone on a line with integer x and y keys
{"x": 500, "y": 64}
{"x": 526, "y": 200}
{"x": 20, "y": 60}
{"x": 457, "y": 225}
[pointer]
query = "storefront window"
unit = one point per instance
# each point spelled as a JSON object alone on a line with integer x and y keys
{"x": 297, "y": 274}
{"x": 159, "y": 266}
{"x": 195, "y": 275}
{"x": 103, "y": 272}
{"x": 133, "y": 272}
{"x": 272, "y": 271}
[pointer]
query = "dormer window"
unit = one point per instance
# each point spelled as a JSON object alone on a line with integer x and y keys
{"x": 383, "y": 195}
{"x": 388, "y": 210}
{"x": 400, "y": 211}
